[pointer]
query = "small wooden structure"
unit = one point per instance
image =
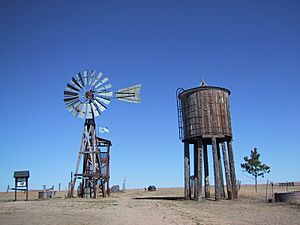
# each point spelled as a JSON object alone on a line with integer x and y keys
{"x": 204, "y": 119}
{"x": 21, "y": 182}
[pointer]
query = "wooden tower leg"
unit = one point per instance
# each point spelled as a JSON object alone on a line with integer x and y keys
{"x": 186, "y": 170}
{"x": 221, "y": 171}
{"x": 206, "y": 172}
{"x": 195, "y": 171}
{"x": 199, "y": 167}
{"x": 216, "y": 169}
{"x": 227, "y": 173}
{"x": 198, "y": 170}
{"x": 232, "y": 170}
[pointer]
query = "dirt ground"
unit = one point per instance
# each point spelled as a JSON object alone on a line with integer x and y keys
{"x": 139, "y": 207}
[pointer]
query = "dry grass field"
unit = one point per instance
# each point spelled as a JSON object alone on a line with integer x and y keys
{"x": 139, "y": 207}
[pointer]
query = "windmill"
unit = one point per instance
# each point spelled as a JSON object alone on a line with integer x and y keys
{"x": 86, "y": 96}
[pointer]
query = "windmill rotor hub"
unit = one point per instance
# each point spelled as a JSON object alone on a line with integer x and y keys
{"x": 89, "y": 95}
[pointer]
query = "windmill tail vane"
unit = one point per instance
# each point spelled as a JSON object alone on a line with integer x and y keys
{"x": 130, "y": 94}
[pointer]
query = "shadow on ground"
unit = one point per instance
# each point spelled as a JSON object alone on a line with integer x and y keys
{"x": 160, "y": 198}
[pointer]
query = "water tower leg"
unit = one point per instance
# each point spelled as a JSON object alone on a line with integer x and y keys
{"x": 195, "y": 171}
{"x": 206, "y": 172}
{"x": 221, "y": 171}
{"x": 227, "y": 174}
{"x": 186, "y": 171}
{"x": 216, "y": 169}
{"x": 198, "y": 169}
{"x": 199, "y": 172}
{"x": 232, "y": 170}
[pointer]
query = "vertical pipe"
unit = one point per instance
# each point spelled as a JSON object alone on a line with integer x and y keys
{"x": 196, "y": 171}
{"x": 227, "y": 173}
{"x": 221, "y": 171}
{"x": 232, "y": 170}
{"x": 186, "y": 170}
{"x": 206, "y": 172}
{"x": 216, "y": 169}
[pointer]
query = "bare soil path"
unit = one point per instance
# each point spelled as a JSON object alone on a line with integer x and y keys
{"x": 138, "y": 207}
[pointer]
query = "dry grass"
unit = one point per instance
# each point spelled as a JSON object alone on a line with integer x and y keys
{"x": 165, "y": 206}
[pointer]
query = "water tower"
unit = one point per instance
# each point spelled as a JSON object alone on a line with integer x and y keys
{"x": 204, "y": 119}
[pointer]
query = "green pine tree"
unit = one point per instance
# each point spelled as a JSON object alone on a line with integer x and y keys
{"x": 254, "y": 167}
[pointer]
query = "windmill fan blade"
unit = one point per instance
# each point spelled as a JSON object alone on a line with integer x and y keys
{"x": 97, "y": 78}
{"x": 82, "y": 111}
{"x": 85, "y": 77}
{"x": 72, "y": 88}
{"x": 69, "y": 93}
{"x": 79, "y": 79}
{"x": 99, "y": 105}
{"x": 105, "y": 87}
{"x": 69, "y": 100}
{"x": 105, "y": 79}
{"x": 104, "y": 100}
{"x": 73, "y": 105}
{"x": 89, "y": 114}
{"x": 75, "y": 82}
{"x": 130, "y": 94}
{"x": 92, "y": 77}
{"x": 70, "y": 108}
{"x": 95, "y": 110}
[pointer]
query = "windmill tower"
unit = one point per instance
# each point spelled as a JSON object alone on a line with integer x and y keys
{"x": 86, "y": 96}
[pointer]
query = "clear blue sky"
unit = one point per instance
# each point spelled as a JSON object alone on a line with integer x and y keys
{"x": 249, "y": 47}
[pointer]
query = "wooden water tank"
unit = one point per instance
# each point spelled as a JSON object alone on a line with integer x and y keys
{"x": 205, "y": 112}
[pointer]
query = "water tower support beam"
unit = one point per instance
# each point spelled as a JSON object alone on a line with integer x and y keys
{"x": 227, "y": 173}
{"x": 199, "y": 174}
{"x": 198, "y": 169}
{"x": 206, "y": 172}
{"x": 216, "y": 169}
{"x": 232, "y": 170}
{"x": 221, "y": 171}
{"x": 187, "y": 191}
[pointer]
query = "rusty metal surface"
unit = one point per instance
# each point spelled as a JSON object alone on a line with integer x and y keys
{"x": 290, "y": 197}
